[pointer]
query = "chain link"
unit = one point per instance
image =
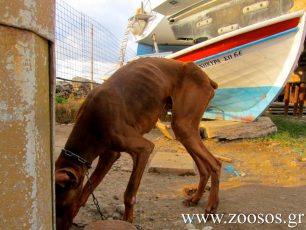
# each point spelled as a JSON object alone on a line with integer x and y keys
{"x": 138, "y": 227}
{"x": 94, "y": 199}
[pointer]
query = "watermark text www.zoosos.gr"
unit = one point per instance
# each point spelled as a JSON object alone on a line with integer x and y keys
{"x": 291, "y": 220}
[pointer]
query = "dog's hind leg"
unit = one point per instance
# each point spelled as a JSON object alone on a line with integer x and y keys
{"x": 209, "y": 164}
{"x": 106, "y": 160}
{"x": 188, "y": 108}
{"x": 204, "y": 176}
{"x": 140, "y": 149}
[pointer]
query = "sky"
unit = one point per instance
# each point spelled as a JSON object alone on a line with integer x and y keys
{"x": 112, "y": 14}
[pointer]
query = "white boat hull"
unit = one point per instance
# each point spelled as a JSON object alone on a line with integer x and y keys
{"x": 250, "y": 75}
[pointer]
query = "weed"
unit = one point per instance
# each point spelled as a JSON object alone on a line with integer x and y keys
{"x": 291, "y": 132}
{"x": 60, "y": 100}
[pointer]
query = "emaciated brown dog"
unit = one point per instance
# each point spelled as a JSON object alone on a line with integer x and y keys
{"x": 113, "y": 119}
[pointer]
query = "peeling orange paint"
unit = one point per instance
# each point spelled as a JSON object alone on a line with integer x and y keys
{"x": 247, "y": 118}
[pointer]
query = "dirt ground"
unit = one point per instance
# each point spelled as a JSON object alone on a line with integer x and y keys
{"x": 272, "y": 181}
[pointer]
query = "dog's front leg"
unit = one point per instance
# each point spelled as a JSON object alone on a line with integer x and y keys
{"x": 106, "y": 160}
{"x": 140, "y": 150}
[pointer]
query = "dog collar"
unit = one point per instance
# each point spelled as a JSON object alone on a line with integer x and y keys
{"x": 80, "y": 159}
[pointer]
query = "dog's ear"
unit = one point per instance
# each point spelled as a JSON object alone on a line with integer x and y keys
{"x": 66, "y": 178}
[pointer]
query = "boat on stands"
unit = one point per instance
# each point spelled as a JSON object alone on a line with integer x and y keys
{"x": 249, "y": 47}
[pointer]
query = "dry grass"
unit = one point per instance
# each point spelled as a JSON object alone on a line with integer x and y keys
{"x": 66, "y": 112}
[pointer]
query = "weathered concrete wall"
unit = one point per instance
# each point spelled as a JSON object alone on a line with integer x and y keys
{"x": 35, "y": 15}
{"x": 25, "y": 115}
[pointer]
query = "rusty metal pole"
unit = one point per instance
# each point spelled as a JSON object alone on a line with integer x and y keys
{"x": 92, "y": 58}
{"x": 26, "y": 122}
{"x": 286, "y": 98}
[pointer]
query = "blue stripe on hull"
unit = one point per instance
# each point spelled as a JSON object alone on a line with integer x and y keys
{"x": 241, "y": 103}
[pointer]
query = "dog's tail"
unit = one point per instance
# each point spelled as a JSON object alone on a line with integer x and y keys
{"x": 213, "y": 84}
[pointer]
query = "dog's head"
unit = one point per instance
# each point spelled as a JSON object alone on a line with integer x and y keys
{"x": 68, "y": 186}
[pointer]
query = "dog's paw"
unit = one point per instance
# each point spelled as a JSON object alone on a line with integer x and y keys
{"x": 190, "y": 201}
{"x": 212, "y": 208}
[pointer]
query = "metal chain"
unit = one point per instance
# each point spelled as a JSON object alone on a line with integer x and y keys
{"x": 80, "y": 159}
{"x": 96, "y": 202}
{"x": 94, "y": 199}
{"x": 138, "y": 227}
{"x": 87, "y": 164}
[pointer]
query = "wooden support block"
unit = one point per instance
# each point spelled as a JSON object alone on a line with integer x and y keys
{"x": 222, "y": 158}
{"x": 213, "y": 127}
{"x": 296, "y": 99}
{"x": 301, "y": 99}
{"x": 230, "y": 130}
{"x": 164, "y": 129}
{"x": 286, "y": 98}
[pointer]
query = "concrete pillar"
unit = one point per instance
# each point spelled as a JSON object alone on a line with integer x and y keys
{"x": 26, "y": 120}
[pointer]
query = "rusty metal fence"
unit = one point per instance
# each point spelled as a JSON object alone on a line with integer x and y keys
{"x": 85, "y": 50}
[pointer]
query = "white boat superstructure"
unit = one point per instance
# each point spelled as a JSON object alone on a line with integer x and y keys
{"x": 184, "y": 23}
{"x": 249, "y": 47}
